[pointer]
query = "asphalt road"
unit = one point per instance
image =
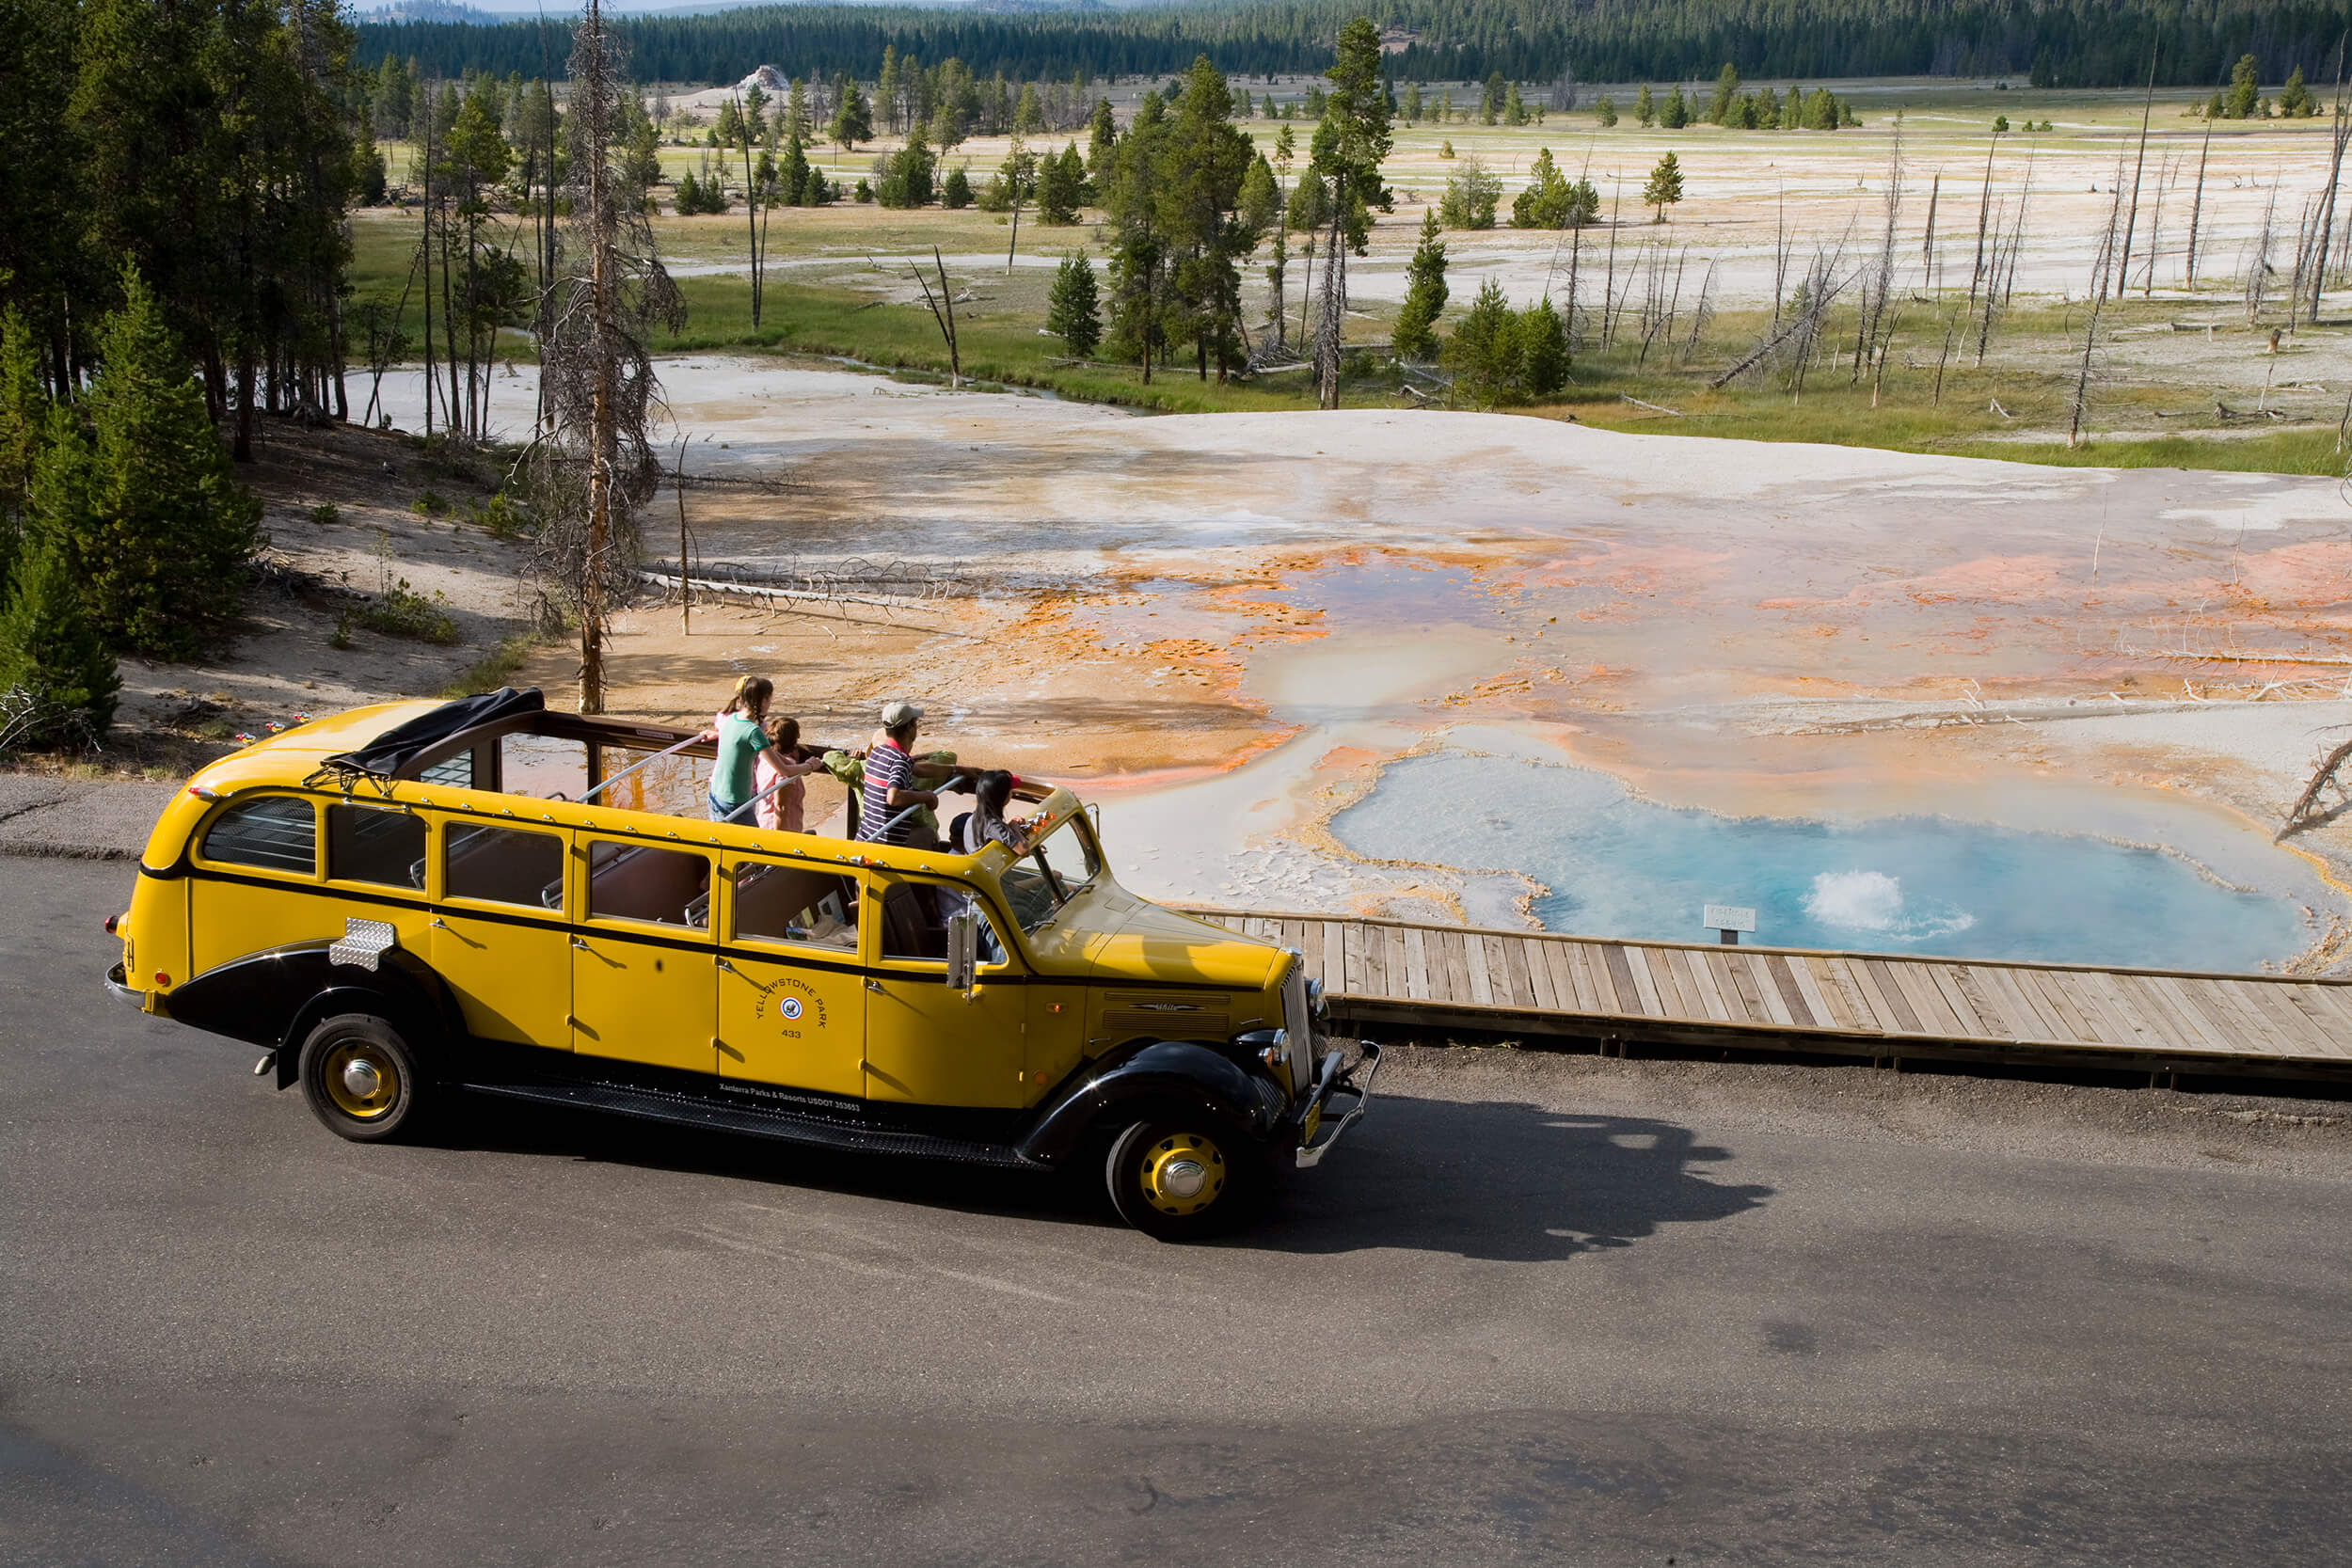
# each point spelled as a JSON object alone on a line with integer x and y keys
{"x": 1540, "y": 1310}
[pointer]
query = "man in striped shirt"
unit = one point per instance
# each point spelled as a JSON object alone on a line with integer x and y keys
{"x": 892, "y": 773}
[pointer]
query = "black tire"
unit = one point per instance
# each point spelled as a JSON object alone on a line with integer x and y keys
{"x": 1180, "y": 1177}
{"x": 337, "y": 1062}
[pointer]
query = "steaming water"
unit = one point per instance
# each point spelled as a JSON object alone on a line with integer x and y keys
{"x": 1616, "y": 866}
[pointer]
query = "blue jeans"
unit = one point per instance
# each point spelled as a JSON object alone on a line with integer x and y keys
{"x": 720, "y": 811}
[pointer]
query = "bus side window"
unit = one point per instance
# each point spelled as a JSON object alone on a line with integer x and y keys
{"x": 367, "y": 843}
{"x": 277, "y": 833}
{"x": 790, "y": 903}
{"x": 502, "y": 865}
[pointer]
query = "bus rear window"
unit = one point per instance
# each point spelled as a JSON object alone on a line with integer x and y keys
{"x": 276, "y": 833}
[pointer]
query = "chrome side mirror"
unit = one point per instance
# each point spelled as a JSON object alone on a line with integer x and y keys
{"x": 963, "y": 949}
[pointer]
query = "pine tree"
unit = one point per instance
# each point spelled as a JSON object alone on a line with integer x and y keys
{"x": 169, "y": 531}
{"x": 1644, "y": 107}
{"x": 2244, "y": 89}
{"x": 853, "y": 120}
{"x": 1605, "y": 111}
{"x": 794, "y": 179}
{"x": 23, "y": 410}
{"x": 1350, "y": 145}
{"x": 52, "y": 659}
{"x": 1072, "y": 313}
{"x": 1543, "y": 350}
{"x": 1413, "y": 103}
{"x": 1484, "y": 351}
{"x": 955, "y": 190}
{"x": 2295, "y": 98}
{"x": 1676, "y": 114}
{"x": 1424, "y": 292}
{"x": 1060, "y": 184}
{"x": 1665, "y": 186}
{"x": 1727, "y": 94}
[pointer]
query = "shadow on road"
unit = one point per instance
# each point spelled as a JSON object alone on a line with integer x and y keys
{"x": 1500, "y": 1180}
{"x": 1491, "y": 1180}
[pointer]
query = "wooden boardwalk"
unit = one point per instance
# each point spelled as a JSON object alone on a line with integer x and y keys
{"x": 1882, "y": 1005}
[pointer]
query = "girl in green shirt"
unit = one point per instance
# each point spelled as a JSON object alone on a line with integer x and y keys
{"x": 741, "y": 732}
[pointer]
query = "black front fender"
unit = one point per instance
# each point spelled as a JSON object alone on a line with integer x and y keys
{"x": 275, "y": 997}
{"x": 1178, "y": 1073}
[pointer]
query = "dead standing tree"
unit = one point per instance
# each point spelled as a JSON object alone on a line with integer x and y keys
{"x": 2081, "y": 401}
{"x": 2340, "y": 134}
{"x": 594, "y": 465}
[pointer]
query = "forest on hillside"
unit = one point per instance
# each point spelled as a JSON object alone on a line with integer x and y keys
{"x": 2047, "y": 42}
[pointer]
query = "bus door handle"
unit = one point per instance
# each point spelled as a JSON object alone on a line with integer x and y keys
{"x": 873, "y": 984}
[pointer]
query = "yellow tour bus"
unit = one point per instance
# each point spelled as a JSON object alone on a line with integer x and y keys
{"x": 415, "y": 899}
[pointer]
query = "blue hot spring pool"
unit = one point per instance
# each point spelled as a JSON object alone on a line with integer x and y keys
{"x": 1618, "y": 865}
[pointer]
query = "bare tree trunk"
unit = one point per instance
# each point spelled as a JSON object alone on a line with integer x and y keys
{"x": 1984, "y": 211}
{"x": 602, "y": 439}
{"x": 1927, "y": 236}
{"x": 1334, "y": 303}
{"x": 750, "y": 216}
{"x": 2131, "y": 220}
{"x": 2091, "y": 333}
{"x": 2258, "y": 275}
{"x": 427, "y": 243}
{"x": 2196, "y": 207}
{"x": 2340, "y": 132}
{"x": 1609, "y": 287}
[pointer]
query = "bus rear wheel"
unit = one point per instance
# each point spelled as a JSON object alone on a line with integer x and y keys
{"x": 361, "y": 1078}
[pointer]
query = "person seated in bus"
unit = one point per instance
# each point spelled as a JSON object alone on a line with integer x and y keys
{"x": 894, "y": 778}
{"x": 740, "y": 730}
{"x": 986, "y": 822}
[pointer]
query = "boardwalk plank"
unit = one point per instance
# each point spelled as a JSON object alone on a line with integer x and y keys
{"x": 1946, "y": 978}
{"x": 1770, "y": 983}
{"x": 1512, "y": 972}
{"x": 1457, "y": 985}
{"x": 1868, "y": 1011}
{"x": 1481, "y": 981}
{"x": 2059, "y": 1007}
{"x": 1676, "y": 996}
{"x": 2218, "y": 1036}
{"x": 1539, "y": 974}
{"x": 1677, "y": 986}
{"x": 1334, "y": 957}
{"x": 2147, "y": 1030}
{"x": 1733, "y": 967}
{"x": 1416, "y": 963}
{"x": 2155, "y": 1003}
{"x": 1833, "y": 992}
{"x": 1927, "y": 1003}
{"x": 1809, "y": 986}
{"x": 1892, "y": 1005}
{"x": 2025, "y": 1019}
{"x": 2230, "y": 1015}
{"x": 2224, "y": 1018}
{"x": 2314, "y": 1002}
{"x": 1703, "y": 978}
{"x": 1635, "y": 980}
{"x": 2098, "y": 1005}
{"x": 1561, "y": 958}
{"x": 1394, "y": 960}
{"x": 1805, "y": 1010}
{"x": 2329, "y": 1001}
{"x": 1994, "y": 1017}
{"x": 1594, "y": 981}
{"x": 1374, "y": 940}
{"x": 2286, "y": 1019}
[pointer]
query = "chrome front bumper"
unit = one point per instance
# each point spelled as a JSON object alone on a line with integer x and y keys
{"x": 1336, "y": 1088}
{"x": 121, "y": 993}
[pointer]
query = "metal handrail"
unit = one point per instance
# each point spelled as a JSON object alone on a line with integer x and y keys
{"x": 667, "y": 751}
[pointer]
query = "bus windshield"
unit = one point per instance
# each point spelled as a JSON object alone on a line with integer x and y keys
{"x": 1056, "y": 870}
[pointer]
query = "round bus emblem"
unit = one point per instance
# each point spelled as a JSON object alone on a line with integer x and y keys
{"x": 789, "y": 1008}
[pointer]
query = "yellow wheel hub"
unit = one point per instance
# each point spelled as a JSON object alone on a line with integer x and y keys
{"x": 1182, "y": 1174}
{"x": 362, "y": 1080}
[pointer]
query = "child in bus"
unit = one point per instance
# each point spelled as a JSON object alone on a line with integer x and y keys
{"x": 986, "y": 822}
{"x": 783, "y": 798}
